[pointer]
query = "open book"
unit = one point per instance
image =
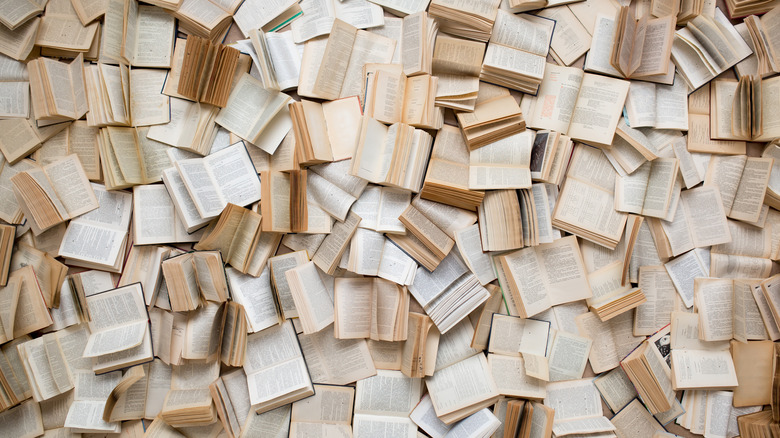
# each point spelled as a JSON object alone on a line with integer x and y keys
{"x": 52, "y": 194}
{"x": 642, "y": 47}
{"x": 227, "y": 176}
{"x": 538, "y": 292}
{"x": 274, "y": 356}
{"x": 515, "y": 56}
{"x": 57, "y": 89}
{"x": 743, "y": 110}
{"x": 591, "y": 117}
{"x": 118, "y": 343}
{"x": 250, "y": 109}
{"x": 706, "y": 47}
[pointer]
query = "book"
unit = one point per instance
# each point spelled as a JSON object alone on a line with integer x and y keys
{"x": 316, "y": 128}
{"x": 250, "y": 108}
{"x": 330, "y": 67}
{"x": 648, "y": 371}
{"x": 370, "y": 414}
{"x": 54, "y": 193}
{"x": 753, "y": 30}
{"x": 7, "y": 236}
{"x": 629, "y": 55}
{"x": 92, "y": 229}
{"x": 392, "y": 97}
{"x": 128, "y": 158}
{"x": 457, "y": 63}
{"x": 448, "y": 170}
{"x": 611, "y": 297}
{"x": 505, "y": 163}
{"x": 472, "y": 21}
{"x": 312, "y": 414}
{"x": 134, "y": 343}
{"x": 420, "y": 349}
{"x": 263, "y": 365}
{"x": 577, "y": 118}
{"x": 528, "y": 418}
{"x": 312, "y": 298}
{"x": 237, "y": 234}
{"x": 741, "y": 110}
{"x": 537, "y": 293}
{"x": 207, "y": 71}
{"x": 515, "y": 56}
{"x": 716, "y": 37}
{"x": 212, "y": 186}
{"x": 418, "y": 36}
{"x": 451, "y": 407}
{"x": 400, "y": 162}
{"x": 12, "y": 16}
{"x": 204, "y": 18}
{"x": 57, "y": 101}
{"x": 492, "y": 120}
{"x": 193, "y": 278}
{"x": 155, "y": 220}
{"x": 385, "y": 303}
{"x": 500, "y": 224}
{"x": 434, "y": 241}
{"x": 579, "y": 194}
{"x": 139, "y": 35}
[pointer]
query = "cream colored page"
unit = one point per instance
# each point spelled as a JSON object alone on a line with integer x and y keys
{"x": 706, "y": 216}
{"x": 72, "y": 186}
{"x": 557, "y": 95}
{"x": 154, "y": 38}
{"x": 749, "y": 197}
{"x": 335, "y": 61}
{"x": 568, "y": 356}
{"x": 598, "y": 108}
{"x": 719, "y": 363}
{"x": 367, "y": 48}
{"x": 330, "y": 197}
{"x": 657, "y": 45}
{"x": 316, "y": 301}
{"x": 603, "y": 32}
{"x": 148, "y": 106}
{"x": 457, "y": 56}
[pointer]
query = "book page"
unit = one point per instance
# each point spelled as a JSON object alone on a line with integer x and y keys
{"x": 72, "y": 186}
{"x": 719, "y": 365}
{"x": 603, "y": 31}
{"x": 656, "y": 47}
{"x": 719, "y": 301}
{"x": 598, "y": 107}
{"x": 336, "y": 361}
{"x": 503, "y": 164}
{"x": 556, "y": 98}
{"x": 367, "y": 48}
{"x": 457, "y": 56}
{"x": 748, "y": 199}
{"x": 616, "y": 389}
{"x": 153, "y": 42}
{"x": 510, "y": 335}
{"x": 353, "y": 305}
{"x": 635, "y": 419}
{"x": 148, "y": 106}
{"x": 706, "y": 217}
{"x": 387, "y": 393}
{"x": 312, "y": 299}
{"x": 234, "y": 173}
{"x": 448, "y": 393}
{"x": 250, "y": 108}
{"x": 568, "y": 357}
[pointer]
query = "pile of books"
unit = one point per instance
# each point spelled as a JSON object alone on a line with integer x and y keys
{"x": 389, "y": 218}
